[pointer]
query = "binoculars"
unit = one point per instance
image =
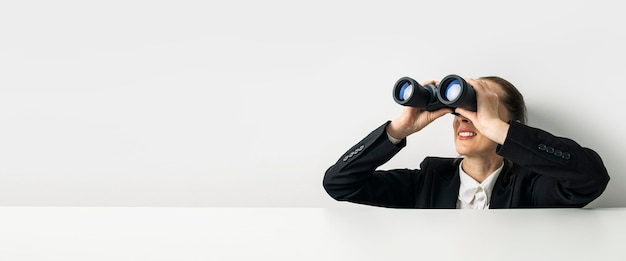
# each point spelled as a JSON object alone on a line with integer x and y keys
{"x": 451, "y": 92}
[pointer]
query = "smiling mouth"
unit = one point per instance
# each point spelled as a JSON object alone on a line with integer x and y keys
{"x": 467, "y": 134}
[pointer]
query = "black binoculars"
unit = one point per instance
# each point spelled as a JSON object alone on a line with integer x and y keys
{"x": 451, "y": 92}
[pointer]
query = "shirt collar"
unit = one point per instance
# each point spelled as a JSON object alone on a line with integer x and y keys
{"x": 469, "y": 185}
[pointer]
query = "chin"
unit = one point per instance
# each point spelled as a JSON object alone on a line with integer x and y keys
{"x": 462, "y": 152}
{"x": 470, "y": 153}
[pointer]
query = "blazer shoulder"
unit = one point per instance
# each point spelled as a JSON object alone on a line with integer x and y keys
{"x": 439, "y": 163}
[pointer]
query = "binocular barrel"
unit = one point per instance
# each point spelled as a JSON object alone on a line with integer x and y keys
{"x": 452, "y": 92}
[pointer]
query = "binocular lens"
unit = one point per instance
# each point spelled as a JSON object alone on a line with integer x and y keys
{"x": 406, "y": 91}
{"x": 453, "y": 90}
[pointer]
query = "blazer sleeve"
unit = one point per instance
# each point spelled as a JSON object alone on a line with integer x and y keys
{"x": 354, "y": 176}
{"x": 568, "y": 175}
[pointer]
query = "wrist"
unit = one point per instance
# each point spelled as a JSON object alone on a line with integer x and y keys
{"x": 396, "y": 132}
{"x": 392, "y": 139}
{"x": 497, "y": 131}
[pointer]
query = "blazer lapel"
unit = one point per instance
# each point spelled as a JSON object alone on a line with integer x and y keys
{"x": 501, "y": 194}
{"x": 449, "y": 188}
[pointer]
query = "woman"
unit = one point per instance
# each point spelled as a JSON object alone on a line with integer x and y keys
{"x": 504, "y": 164}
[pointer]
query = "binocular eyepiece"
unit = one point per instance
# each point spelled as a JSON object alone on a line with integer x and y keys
{"x": 451, "y": 92}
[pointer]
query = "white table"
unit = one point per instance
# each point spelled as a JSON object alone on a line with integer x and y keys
{"x": 353, "y": 233}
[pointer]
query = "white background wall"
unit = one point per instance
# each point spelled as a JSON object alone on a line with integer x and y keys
{"x": 247, "y": 103}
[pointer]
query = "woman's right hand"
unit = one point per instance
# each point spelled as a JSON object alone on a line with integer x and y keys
{"x": 412, "y": 120}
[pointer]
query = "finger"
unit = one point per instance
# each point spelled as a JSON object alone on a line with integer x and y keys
{"x": 412, "y": 110}
{"x": 478, "y": 85}
{"x": 428, "y": 82}
{"x": 466, "y": 113}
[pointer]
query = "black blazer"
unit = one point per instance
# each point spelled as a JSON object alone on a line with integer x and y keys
{"x": 541, "y": 170}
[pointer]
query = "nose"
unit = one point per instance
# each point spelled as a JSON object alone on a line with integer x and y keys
{"x": 460, "y": 118}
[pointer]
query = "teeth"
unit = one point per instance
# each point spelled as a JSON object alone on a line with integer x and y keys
{"x": 466, "y": 134}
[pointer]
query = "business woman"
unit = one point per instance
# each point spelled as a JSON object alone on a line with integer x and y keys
{"x": 504, "y": 163}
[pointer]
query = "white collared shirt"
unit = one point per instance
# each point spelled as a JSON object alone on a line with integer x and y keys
{"x": 474, "y": 195}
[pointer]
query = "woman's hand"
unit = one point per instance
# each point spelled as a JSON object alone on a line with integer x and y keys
{"x": 413, "y": 119}
{"x": 487, "y": 119}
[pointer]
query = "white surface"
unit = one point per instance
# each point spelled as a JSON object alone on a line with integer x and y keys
{"x": 246, "y": 103}
{"x": 59, "y": 233}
